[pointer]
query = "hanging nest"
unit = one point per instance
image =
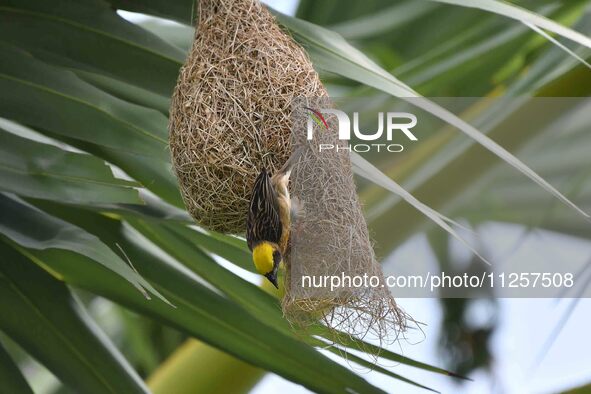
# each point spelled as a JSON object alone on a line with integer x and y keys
{"x": 231, "y": 115}
{"x": 230, "y": 112}
{"x": 330, "y": 239}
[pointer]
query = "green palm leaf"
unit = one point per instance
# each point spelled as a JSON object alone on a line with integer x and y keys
{"x": 46, "y": 239}
{"x": 40, "y": 314}
{"x": 12, "y": 379}
{"x": 89, "y": 35}
{"x": 39, "y": 170}
{"x": 198, "y": 310}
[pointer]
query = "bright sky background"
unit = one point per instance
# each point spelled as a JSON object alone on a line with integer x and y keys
{"x": 285, "y": 6}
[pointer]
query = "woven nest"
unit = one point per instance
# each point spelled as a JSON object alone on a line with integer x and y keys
{"x": 330, "y": 239}
{"x": 232, "y": 113}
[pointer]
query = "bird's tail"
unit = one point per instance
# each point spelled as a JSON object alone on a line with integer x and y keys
{"x": 281, "y": 178}
{"x": 285, "y": 170}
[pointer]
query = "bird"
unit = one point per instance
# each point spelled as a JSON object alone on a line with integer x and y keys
{"x": 269, "y": 219}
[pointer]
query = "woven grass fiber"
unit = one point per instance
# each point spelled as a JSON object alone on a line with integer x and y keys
{"x": 232, "y": 114}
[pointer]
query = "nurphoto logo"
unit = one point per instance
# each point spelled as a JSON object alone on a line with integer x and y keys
{"x": 396, "y": 124}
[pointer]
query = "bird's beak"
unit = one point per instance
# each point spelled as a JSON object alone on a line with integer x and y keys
{"x": 272, "y": 276}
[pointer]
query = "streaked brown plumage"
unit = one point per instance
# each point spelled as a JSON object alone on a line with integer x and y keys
{"x": 269, "y": 219}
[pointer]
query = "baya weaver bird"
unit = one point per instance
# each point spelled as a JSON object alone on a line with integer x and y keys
{"x": 269, "y": 219}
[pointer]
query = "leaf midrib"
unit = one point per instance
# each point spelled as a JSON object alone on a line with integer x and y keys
{"x": 69, "y": 178}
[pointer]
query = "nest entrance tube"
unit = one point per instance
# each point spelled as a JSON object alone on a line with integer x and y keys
{"x": 237, "y": 100}
{"x": 333, "y": 274}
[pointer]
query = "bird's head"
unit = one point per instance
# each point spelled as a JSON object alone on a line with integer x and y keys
{"x": 267, "y": 257}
